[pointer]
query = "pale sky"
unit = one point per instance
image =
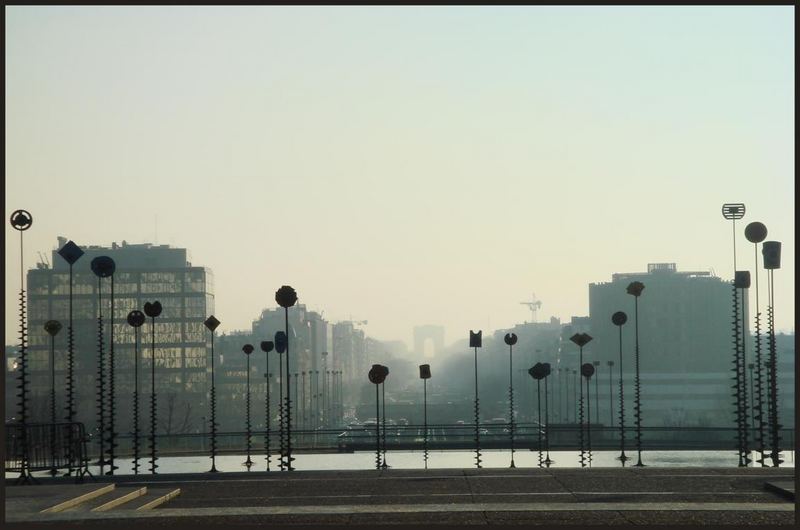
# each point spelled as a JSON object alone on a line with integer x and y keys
{"x": 402, "y": 165}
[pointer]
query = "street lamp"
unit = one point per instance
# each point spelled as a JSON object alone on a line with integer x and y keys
{"x": 280, "y": 347}
{"x": 267, "y": 346}
{"x": 581, "y": 340}
{"x": 587, "y": 370}
{"x": 376, "y": 376}
{"x": 756, "y": 232}
{"x": 537, "y": 373}
{"x": 618, "y": 319}
{"x": 136, "y": 319}
{"x": 248, "y": 349}
{"x": 475, "y": 342}
{"x": 52, "y": 327}
{"x": 635, "y": 289}
{"x": 212, "y": 323}
{"x": 286, "y": 298}
{"x": 153, "y": 310}
{"x": 102, "y": 267}
{"x": 511, "y": 339}
{"x": 425, "y": 374}
{"x": 772, "y": 260}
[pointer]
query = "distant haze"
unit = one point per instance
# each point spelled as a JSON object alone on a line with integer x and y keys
{"x": 399, "y": 165}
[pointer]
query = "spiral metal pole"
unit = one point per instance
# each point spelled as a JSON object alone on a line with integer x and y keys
{"x": 281, "y": 416}
{"x": 743, "y": 385}
{"x": 637, "y": 386}
{"x": 267, "y": 417}
{"x": 539, "y": 422}
{"x": 425, "y": 421}
{"x": 135, "y": 400}
{"x": 384, "y": 465}
{"x": 589, "y": 421}
{"x": 477, "y": 417}
{"x": 100, "y": 377}
{"x": 289, "y": 458}
{"x": 511, "y": 405}
{"x": 737, "y": 389}
{"x": 377, "y": 429}
{"x": 580, "y": 416}
{"x": 622, "y": 456}
{"x": 112, "y": 432}
{"x": 774, "y": 426}
{"x": 248, "y": 462}
{"x": 547, "y": 460}
{"x": 70, "y": 380}
{"x": 153, "y": 405}
{"x": 758, "y": 388}
{"x": 53, "y": 470}
{"x": 25, "y": 472}
{"x": 213, "y": 412}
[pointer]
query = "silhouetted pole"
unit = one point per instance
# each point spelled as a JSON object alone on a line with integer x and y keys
{"x": 742, "y": 282}
{"x": 280, "y": 347}
{"x": 304, "y": 406}
{"x": 587, "y": 370}
{"x": 475, "y": 342}
{"x": 635, "y": 289}
{"x": 596, "y": 392}
{"x": 377, "y": 374}
{"x": 537, "y": 373}
{"x": 734, "y": 211}
{"x": 581, "y": 340}
{"x": 102, "y": 267}
{"x": 324, "y": 409}
{"x": 425, "y": 374}
{"x": 22, "y": 220}
{"x": 267, "y": 346}
{"x": 756, "y": 232}
{"x": 71, "y": 253}
{"x": 610, "y": 365}
{"x": 153, "y": 310}
{"x": 772, "y": 260}
{"x": 575, "y": 397}
{"x": 750, "y": 367}
{"x": 211, "y": 323}
{"x": 547, "y": 460}
{"x": 136, "y": 319}
{"x": 286, "y": 298}
{"x": 52, "y": 327}
{"x": 248, "y": 349}
{"x": 384, "y": 465}
{"x": 511, "y": 339}
{"x": 112, "y": 431}
{"x": 618, "y": 319}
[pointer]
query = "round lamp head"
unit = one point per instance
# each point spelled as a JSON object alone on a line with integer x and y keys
{"x": 152, "y": 310}
{"x": 136, "y": 318}
{"x": 52, "y": 327}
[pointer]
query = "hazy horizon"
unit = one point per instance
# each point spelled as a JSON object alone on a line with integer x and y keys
{"x": 404, "y": 165}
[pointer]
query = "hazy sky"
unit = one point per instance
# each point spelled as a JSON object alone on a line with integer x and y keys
{"x": 404, "y": 165}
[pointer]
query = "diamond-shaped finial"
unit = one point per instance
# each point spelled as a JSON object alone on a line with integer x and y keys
{"x": 212, "y": 323}
{"x": 70, "y": 252}
{"x": 581, "y": 339}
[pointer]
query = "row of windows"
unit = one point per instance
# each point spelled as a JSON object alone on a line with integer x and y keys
{"x": 83, "y": 308}
{"x": 124, "y": 283}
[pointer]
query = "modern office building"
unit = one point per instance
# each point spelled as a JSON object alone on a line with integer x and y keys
{"x": 144, "y": 273}
{"x": 685, "y": 343}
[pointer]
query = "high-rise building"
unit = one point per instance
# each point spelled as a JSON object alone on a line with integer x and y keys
{"x": 685, "y": 343}
{"x": 144, "y": 273}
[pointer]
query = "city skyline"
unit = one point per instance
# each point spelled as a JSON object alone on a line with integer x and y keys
{"x": 404, "y": 166}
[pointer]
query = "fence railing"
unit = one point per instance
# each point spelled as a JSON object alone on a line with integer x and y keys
{"x": 50, "y": 447}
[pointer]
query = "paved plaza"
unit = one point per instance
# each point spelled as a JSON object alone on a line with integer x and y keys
{"x": 599, "y": 496}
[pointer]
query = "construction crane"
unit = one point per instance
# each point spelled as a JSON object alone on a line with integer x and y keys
{"x": 533, "y": 305}
{"x": 43, "y": 261}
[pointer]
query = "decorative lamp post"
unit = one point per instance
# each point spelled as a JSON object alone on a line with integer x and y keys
{"x": 635, "y": 289}
{"x": 248, "y": 349}
{"x": 772, "y": 260}
{"x": 212, "y": 323}
{"x": 280, "y": 347}
{"x": 547, "y": 461}
{"x": 22, "y": 220}
{"x": 756, "y": 232}
{"x": 510, "y": 339}
{"x": 324, "y": 385}
{"x": 136, "y": 319}
{"x": 102, "y": 267}
{"x": 581, "y": 340}
{"x": 286, "y": 298}
{"x": 742, "y": 281}
{"x": 537, "y": 373}
{"x": 71, "y": 253}
{"x": 267, "y": 346}
{"x": 52, "y": 327}
{"x": 618, "y": 319}
{"x": 610, "y": 365}
{"x": 153, "y": 310}
{"x": 587, "y": 370}
{"x": 475, "y": 342}
{"x": 425, "y": 374}
{"x": 384, "y": 465}
{"x": 376, "y": 376}
{"x": 734, "y": 211}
